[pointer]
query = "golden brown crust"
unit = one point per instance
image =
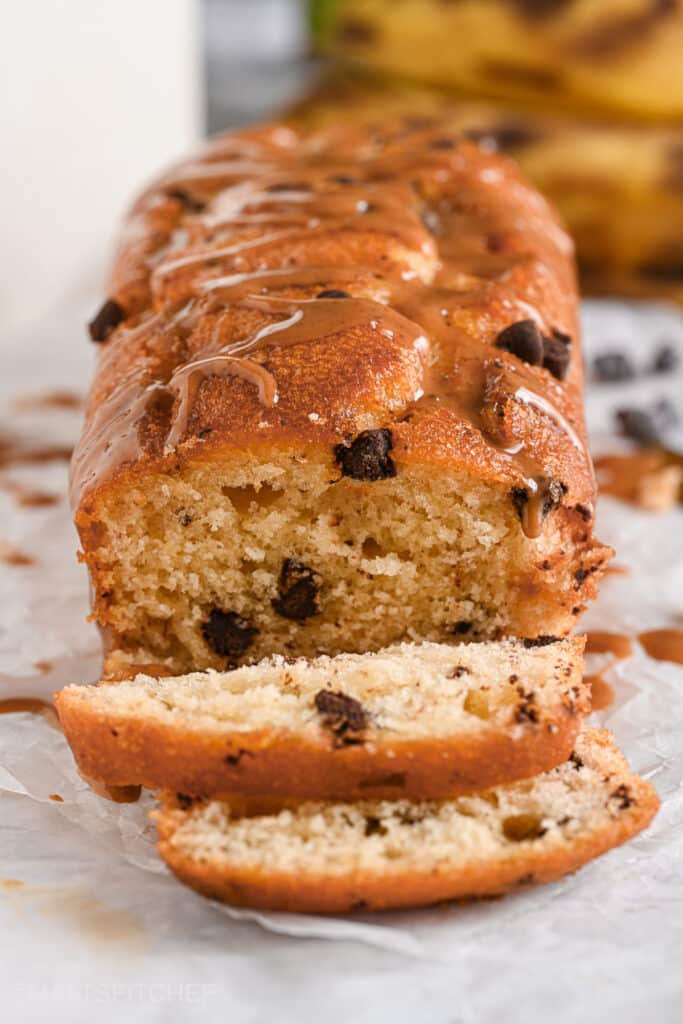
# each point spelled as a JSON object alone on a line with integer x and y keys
{"x": 441, "y": 247}
{"x": 356, "y": 378}
{"x": 395, "y": 889}
{"x": 136, "y": 751}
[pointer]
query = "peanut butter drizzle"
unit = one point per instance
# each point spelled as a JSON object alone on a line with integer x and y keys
{"x": 663, "y": 644}
{"x": 305, "y": 190}
{"x": 609, "y": 643}
{"x": 32, "y": 705}
{"x": 305, "y": 321}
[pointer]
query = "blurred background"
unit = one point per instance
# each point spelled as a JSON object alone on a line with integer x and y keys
{"x": 97, "y": 96}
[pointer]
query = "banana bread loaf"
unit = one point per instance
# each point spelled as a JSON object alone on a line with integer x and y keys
{"x": 338, "y": 405}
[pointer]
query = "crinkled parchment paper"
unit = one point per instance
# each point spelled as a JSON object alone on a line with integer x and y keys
{"x": 98, "y": 925}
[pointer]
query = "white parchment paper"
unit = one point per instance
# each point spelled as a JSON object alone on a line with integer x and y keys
{"x": 99, "y": 927}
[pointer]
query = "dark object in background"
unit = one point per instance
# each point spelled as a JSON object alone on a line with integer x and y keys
{"x": 256, "y": 58}
{"x": 648, "y": 426}
{"x": 665, "y": 360}
{"x": 612, "y": 367}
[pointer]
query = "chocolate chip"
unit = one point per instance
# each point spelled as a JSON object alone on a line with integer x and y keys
{"x": 367, "y": 457}
{"x": 298, "y": 591}
{"x": 374, "y": 827}
{"x": 622, "y": 794}
{"x": 343, "y": 715}
{"x": 190, "y": 202}
{"x": 109, "y": 316}
{"x": 228, "y": 634}
{"x": 539, "y": 641}
{"x": 333, "y": 293}
{"x": 519, "y": 499}
{"x": 458, "y": 671}
{"x": 495, "y": 242}
{"x": 613, "y": 366}
{"x": 581, "y": 575}
{"x": 665, "y": 359}
{"x": 575, "y": 760}
{"x": 184, "y": 800}
{"x": 648, "y": 426}
{"x": 526, "y": 710}
{"x": 461, "y": 627}
{"x": 554, "y": 491}
{"x": 524, "y": 340}
{"x": 234, "y": 759}
{"x": 557, "y": 354}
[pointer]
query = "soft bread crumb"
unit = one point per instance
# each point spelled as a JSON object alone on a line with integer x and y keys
{"x": 554, "y": 811}
{"x": 425, "y": 555}
{"x": 409, "y": 690}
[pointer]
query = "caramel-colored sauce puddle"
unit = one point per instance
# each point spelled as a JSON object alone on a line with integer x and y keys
{"x": 663, "y": 644}
{"x": 97, "y": 924}
{"x": 10, "y": 555}
{"x": 609, "y": 643}
{"x": 32, "y": 705}
{"x": 14, "y": 452}
{"x": 49, "y": 400}
{"x": 621, "y": 648}
{"x": 602, "y": 694}
{"x": 29, "y": 497}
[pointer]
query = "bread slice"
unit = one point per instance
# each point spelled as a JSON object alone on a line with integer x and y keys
{"x": 376, "y": 855}
{"x": 414, "y": 720}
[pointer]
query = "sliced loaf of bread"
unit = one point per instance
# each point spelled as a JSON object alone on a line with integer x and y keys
{"x": 373, "y": 855}
{"x": 414, "y": 720}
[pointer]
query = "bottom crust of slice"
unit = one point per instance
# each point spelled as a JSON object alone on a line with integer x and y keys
{"x": 381, "y": 855}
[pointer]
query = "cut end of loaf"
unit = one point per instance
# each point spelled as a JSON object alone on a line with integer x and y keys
{"x": 331, "y": 858}
{"x": 235, "y": 559}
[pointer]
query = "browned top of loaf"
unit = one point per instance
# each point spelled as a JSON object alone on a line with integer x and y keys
{"x": 441, "y": 246}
